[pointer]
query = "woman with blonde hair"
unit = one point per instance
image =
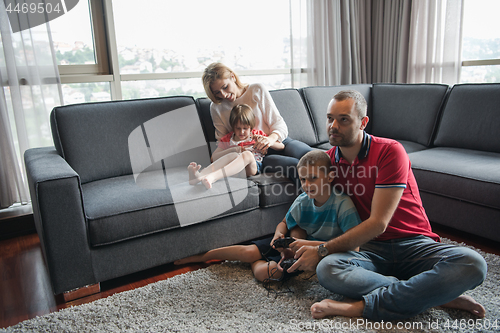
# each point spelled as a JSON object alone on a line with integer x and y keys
{"x": 225, "y": 90}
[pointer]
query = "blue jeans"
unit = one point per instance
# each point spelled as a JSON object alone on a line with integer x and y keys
{"x": 401, "y": 278}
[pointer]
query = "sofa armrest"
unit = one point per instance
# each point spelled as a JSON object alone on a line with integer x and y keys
{"x": 59, "y": 218}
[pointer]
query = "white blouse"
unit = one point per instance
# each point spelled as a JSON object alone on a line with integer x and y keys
{"x": 267, "y": 116}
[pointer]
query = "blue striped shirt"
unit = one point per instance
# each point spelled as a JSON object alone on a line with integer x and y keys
{"x": 331, "y": 220}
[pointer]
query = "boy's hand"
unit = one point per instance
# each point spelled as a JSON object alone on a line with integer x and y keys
{"x": 277, "y": 235}
{"x": 285, "y": 254}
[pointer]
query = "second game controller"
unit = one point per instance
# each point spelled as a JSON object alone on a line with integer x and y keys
{"x": 287, "y": 263}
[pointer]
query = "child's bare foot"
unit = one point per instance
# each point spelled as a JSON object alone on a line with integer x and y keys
{"x": 207, "y": 183}
{"x": 194, "y": 175}
{"x": 467, "y": 303}
{"x": 329, "y": 307}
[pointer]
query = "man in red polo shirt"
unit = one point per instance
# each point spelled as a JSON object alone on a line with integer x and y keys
{"x": 402, "y": 268}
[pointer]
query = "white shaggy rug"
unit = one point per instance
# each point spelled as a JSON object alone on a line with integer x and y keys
{"x": 226, "y": 298}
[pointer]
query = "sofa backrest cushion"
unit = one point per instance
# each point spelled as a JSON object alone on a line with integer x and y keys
{"x": 407, "y": 111}
{"x": 318, "y": 98}
{"x": 94, "y": 137}
{"x": 203, "y": 105}
{"x": 471, "y": 117}
{"x": 293, "y": 110}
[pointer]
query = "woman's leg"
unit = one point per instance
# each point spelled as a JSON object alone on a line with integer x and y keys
{"x": 295, "y": 148}
{"x": 284, "y": 162}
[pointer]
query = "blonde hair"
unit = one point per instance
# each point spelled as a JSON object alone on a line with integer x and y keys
{"x": 214, "y": 72}
{"x": 242, "y": 113}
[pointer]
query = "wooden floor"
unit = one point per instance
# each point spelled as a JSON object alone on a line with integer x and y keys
{"x": 25, "y": 290}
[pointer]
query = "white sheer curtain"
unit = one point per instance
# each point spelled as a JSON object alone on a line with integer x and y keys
{"x": 351, "y": 41}
{"x": 435, "y": 41}
{"x": 30, "y": 89}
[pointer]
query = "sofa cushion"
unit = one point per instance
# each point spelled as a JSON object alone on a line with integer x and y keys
{"x": 294, "y": 112}
{"x": 203, "y": 106}
{"x": 94, "y": 137}
{"x": 318, "y": 98}
{"x": 122, "y": 208}
{"x": 274, "y": 189}
{"x": 411, "y": 147}
{"x": 467, "y": 175}
{"x": 471, "y": 117}
{"x": 408, "y": 112}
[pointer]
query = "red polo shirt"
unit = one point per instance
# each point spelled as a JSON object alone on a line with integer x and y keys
{"x": 383, "y": 163}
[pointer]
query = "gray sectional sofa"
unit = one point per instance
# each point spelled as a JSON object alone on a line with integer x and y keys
{"x": 111, "y": 197}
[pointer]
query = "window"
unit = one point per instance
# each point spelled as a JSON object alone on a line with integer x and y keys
{"x": 81, "y": 52}
{"x": 180, "y": 38}
{"x": 481, "y": 41}
{"x": 169, "y": 44}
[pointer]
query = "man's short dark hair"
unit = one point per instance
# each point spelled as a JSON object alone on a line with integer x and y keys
{"x": 359, "y": 100}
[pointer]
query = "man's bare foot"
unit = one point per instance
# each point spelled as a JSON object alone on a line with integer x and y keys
{"x": 194, "y": 175}
{"x": 467, "y": 303}
{"x": 329, "y": 307}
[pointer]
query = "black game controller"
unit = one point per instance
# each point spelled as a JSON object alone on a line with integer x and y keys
{"x": 287, "y": 263}
{"x": 283, "y": 242}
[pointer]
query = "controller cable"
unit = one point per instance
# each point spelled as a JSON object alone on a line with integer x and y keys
{"x": 283, "y": 279}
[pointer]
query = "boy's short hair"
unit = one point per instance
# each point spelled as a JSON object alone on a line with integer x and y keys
{"x": 242, "y": 113}
{"x": 316, "y": 158}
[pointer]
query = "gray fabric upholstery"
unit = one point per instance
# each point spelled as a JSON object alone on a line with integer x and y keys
{"x": 462, "y": 174}
{"x": 292, "y": 109}
{"x": 93, "y": 137}
{"x": 156, "y": 249}
{"x": 412, "y": 147}
{"x": 471, "y": 117}
{"x": 59, "y": 219}
{"x": 274, "y": 190}
{"x": 399, "y": 109}
{"x": 318, "y": 98}
{"x": 462, "y": 215}
{"x": 117, "y": 209}
{"x": 203, "y": 105}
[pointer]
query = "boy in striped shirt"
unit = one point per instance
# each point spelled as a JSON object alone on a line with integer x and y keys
{"x": 316, "y": 216}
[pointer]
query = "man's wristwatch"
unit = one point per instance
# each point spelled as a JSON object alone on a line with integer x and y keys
{"x": 322, "y": 251}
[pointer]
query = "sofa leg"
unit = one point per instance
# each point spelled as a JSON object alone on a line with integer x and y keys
{"x": 82, "y": 292}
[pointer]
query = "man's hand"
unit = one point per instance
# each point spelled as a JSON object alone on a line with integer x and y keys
{"x": 295, "y": 246}
{"x": 308, "y": 259}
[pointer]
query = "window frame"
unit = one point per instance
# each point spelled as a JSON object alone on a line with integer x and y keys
{"x": 107, "y": 67}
